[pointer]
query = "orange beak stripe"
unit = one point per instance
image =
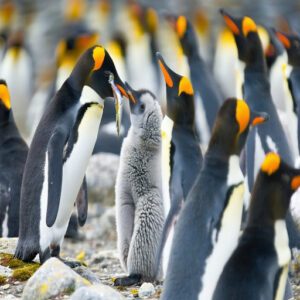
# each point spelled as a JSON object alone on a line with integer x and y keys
{"x": 132, "y": 98}
{"x": 258, "y": 120}
{"x": 295, "y": 182}
{"x": 284, "y": 40}
{"x": 167, "y": 76}
{"x": 123, "y": 92}
{"x": 231, "y": 25}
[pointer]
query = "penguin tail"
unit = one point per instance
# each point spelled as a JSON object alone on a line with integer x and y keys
{"x": 26, "y": 251}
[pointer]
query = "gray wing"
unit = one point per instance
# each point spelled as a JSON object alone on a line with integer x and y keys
{"x": 55, "y": 162}
{"x": 82, "y": 203}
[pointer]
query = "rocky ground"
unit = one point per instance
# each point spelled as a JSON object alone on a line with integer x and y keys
{"x": 95, "y": 248}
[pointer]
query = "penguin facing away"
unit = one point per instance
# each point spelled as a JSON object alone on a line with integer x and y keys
{"x": 13, "y": 153}
{"x": 58, "y": 156}
{"x": 139, "y": 203}
{"x": 186, "y": 157}
{"x": 208, "y": 226}
{"x": 258, "y": 268}
{"x": 208, "y": 97}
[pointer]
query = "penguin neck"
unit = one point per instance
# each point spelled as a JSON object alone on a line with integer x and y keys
{"x": 5, "y": 117}
{"x": 88, "y": 95}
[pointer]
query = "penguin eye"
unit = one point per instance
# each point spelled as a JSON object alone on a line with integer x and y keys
{"x": 142, "y": 107}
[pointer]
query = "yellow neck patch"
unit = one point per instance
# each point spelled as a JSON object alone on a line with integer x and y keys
{"x": 181, "y": 25}
{"x": 167, "y": 76}
{"x": 271, "y": 163}
{"x": 185, "y": 86}
{"x": 98, "y": 55}
{"x": 242, "y": 114}
{"x": 4, "y": 96}
{"x": 248, "y": 25}
{"x": 231, "y": 25}
{"x": 152, "y": 20}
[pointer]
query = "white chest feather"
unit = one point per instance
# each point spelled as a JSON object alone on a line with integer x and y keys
{"x": 166, "y": 137}
{"x": 73, "y": 172}
{"x": 281, "y": 244}
{"x": 201, "y": 120}
{"x": 227, "y": 238}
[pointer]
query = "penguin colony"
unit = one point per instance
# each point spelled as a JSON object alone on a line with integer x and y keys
{"x": 206, "y": 191}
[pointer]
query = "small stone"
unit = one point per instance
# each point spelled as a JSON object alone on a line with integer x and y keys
{"x": 8, "y": 245}
{"x": 96, "y": 292}
{"x": 146, "y": 290}
{"x": 6, "y": 286}
{"x": 5, "y": 271}
{"x": 87, "y": 274}
{"x": 51, "y": 279}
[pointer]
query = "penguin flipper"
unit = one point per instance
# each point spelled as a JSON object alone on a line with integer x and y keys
{"x": 55, "y": 162}
{"x": 82, "y": 203}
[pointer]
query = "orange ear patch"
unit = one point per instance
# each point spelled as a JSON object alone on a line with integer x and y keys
{"x": 248, "y": 25}
{"x": 4, "y": 96}
{"x": 185, "y": 86}
{"x": 231, "y": 25}
{"x": 242, "y": 114}
{"x": 284, "y": 40}
{"x": 166, "y": 74}
{"x": 271, "y": 163}
{"x": 98, "y": 56}
{"x": 181, "y": 25}
{"x": 295, "y": 182}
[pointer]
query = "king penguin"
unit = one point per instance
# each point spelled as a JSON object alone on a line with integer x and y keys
{"x": 13, "y": 153}
{"x": 209, "y": 224}
{"x": 208, "y": 97}
{"x": 58, "y": 156}
{"x": 258, "y": 267}
{"x": 186, "y": 156}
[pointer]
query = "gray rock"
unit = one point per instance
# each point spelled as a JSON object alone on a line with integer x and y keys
{"x": 146, "y": 290}
{"x": 8, "y": 245}
{"x": 87, "y": 274}
{"x": 5, "y": 271}
{"x": 97, "y": 292}
{"x": 101, "y": 177}
{"x": 51, "y": 279}
{"x": 105, "y": 226}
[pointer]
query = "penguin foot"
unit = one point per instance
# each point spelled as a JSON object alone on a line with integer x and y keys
{"x": 129, "y": 280}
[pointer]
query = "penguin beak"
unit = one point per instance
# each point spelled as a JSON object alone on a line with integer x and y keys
{"x": 258, "y": 118}
{"x": 165, "y": 70}
{"x": 132, "y": 96}
{"x": 284, "y": 39}
{"x": 295, "y": 183}
{"x": 231, "y": 23}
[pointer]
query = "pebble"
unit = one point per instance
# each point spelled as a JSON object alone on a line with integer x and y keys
{"x": 96, "y": 292}
{"x": 146, "y": 290}
{"x": 5, "y": 287}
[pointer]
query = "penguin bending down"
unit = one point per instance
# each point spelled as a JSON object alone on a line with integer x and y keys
{"x": 58, "y": 156}
{"x": 258, "y": 268}
{"x": 140, "y": 212}
{"x": 208, "y": 227}
{"x": 13, "y": 153}
{"x": 186, "y": 157}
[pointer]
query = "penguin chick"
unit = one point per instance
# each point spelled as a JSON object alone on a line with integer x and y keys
{"x": 258, "y": 268}
{"x": 209, "y": 224}
{"x": 13, "y": 153}
{"x": 140, "y": 212}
